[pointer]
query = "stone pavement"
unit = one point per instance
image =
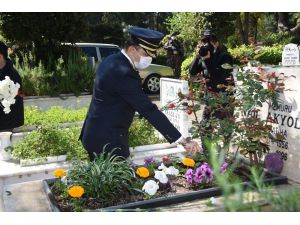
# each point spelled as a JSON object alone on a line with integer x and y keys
{"x": 25, "y": 197}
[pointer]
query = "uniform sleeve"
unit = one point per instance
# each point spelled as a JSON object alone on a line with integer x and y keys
{"x": 130, "y": 89}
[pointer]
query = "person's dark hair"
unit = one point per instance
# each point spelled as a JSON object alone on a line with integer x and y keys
{"x": 129, "y": 42}
{"x": 205, "y": 39}
{"x": 3, "y": 49}
{"x": 213, "y": 38}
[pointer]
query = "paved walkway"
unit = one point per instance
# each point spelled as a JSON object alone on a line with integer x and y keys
{"x": 25, "y": 197}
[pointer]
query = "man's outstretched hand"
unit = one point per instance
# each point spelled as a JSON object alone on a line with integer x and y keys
{"x": 192, "y": 147}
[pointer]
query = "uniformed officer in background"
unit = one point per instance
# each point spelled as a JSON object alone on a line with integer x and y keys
{"x": 118, "y": 94}
{"x": 175, "y": 54}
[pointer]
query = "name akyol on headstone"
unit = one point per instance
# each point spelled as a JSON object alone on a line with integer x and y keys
{"x": 290, "y": 55}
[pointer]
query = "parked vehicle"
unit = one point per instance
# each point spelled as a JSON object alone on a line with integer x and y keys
{"x": 150, "y": 76}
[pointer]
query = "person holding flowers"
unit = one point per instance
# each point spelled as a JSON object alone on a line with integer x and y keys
{"x": 11, "y": 113}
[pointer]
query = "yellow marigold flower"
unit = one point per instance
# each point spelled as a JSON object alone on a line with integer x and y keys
{"x": 59, "y": 173}
{"x": 76, "y": 191}
{"x": 143, "y": 172}
{"x": 188, "y": 162}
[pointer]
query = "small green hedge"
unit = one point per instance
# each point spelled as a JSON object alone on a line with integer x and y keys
{"x": 50, "y": 140}
{"x": 71, "y": 75}
{"x": 241, "y": 53}
{"x": 265, "y": 54}
{"x": 269, "y": 55}
{"x": 54, "y": 115}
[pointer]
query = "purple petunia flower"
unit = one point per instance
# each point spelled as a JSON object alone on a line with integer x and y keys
{"x": 224, "y": 167}
{"x": 209, "y": 175}
{"x": 198, "y": 176}
{"x": 203, "y": 168}
{"x": 189, "y": 175}
{"x": 148, "y": 160}
{"x": 204, "y": 173}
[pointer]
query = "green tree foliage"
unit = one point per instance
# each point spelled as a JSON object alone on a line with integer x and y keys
{"x": 45, "y": 30}
{"x": 192, "y": 25}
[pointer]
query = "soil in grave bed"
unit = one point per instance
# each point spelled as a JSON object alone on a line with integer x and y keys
{"x": 178, "y": 185}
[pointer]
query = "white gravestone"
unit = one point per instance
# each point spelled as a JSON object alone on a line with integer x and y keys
{"x": 286, "y": 121}
{"x": 168, "y": 93}
{"x": 290, "y": 55}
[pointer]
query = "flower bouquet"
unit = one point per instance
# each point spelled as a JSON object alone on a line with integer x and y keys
{"x": 8, "y": 92}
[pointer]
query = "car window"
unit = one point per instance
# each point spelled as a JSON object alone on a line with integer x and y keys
{"x": 106, "y": 51}
{"x": 90, "y": 52}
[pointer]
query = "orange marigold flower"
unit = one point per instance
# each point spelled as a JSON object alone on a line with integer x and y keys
{"x": 76, "y": 191}
{"x": 59, "y": 173}
{"x": 188, "y": 162}
{"x": 143, "y": 172}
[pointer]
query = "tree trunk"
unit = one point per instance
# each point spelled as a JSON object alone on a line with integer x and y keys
{"x": 253, "y": 28}
{"x": 239, "y": 27}
{"x": 283, "y": 22}
{"x": 246, "y": 27}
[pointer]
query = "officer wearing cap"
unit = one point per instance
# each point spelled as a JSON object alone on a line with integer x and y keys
{"x": 16, "y": 117}
{"x": 118, "y": 94}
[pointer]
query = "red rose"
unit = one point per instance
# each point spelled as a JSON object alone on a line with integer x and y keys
{"x": 171, "y": 105}
{"x": 165, "y": 158}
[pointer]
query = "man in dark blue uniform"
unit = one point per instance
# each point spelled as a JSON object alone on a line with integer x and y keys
{"x": 118, "y": 94}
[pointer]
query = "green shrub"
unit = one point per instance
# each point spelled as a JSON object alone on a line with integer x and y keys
{"x": 54, "y": 115}
{"x": 141, "y": 132}
{"x": 269, "y": 55}
{"x": 34, "y": 78}
{"x": 105, "y": 178}
{"x": 79, "y": 75}
{"x": 232, "y": 41}
{"x": 161, "y": 57}
{"x": 281, "y": 38}
{"x": 50, "y": 141}
{"x": 265, "y": 55}
{"x": 71, "y": 75}
{"x": 241, "y": 53}
{"x": 185, "y": 66}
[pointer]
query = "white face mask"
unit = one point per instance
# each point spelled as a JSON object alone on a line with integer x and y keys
{"x": 144, "y": 62}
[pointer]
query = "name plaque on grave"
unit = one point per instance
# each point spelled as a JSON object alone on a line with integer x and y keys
{"x": 290, "y": 55}
{"x": 168, "y": 93}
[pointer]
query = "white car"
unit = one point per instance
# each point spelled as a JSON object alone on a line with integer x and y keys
{"x": 150, "y": 76}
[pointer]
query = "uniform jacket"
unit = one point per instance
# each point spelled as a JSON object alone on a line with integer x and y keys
{"x": 218, "y": 74}
{"x": 16, "y": 117}
{"x": 117, "y": 95}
